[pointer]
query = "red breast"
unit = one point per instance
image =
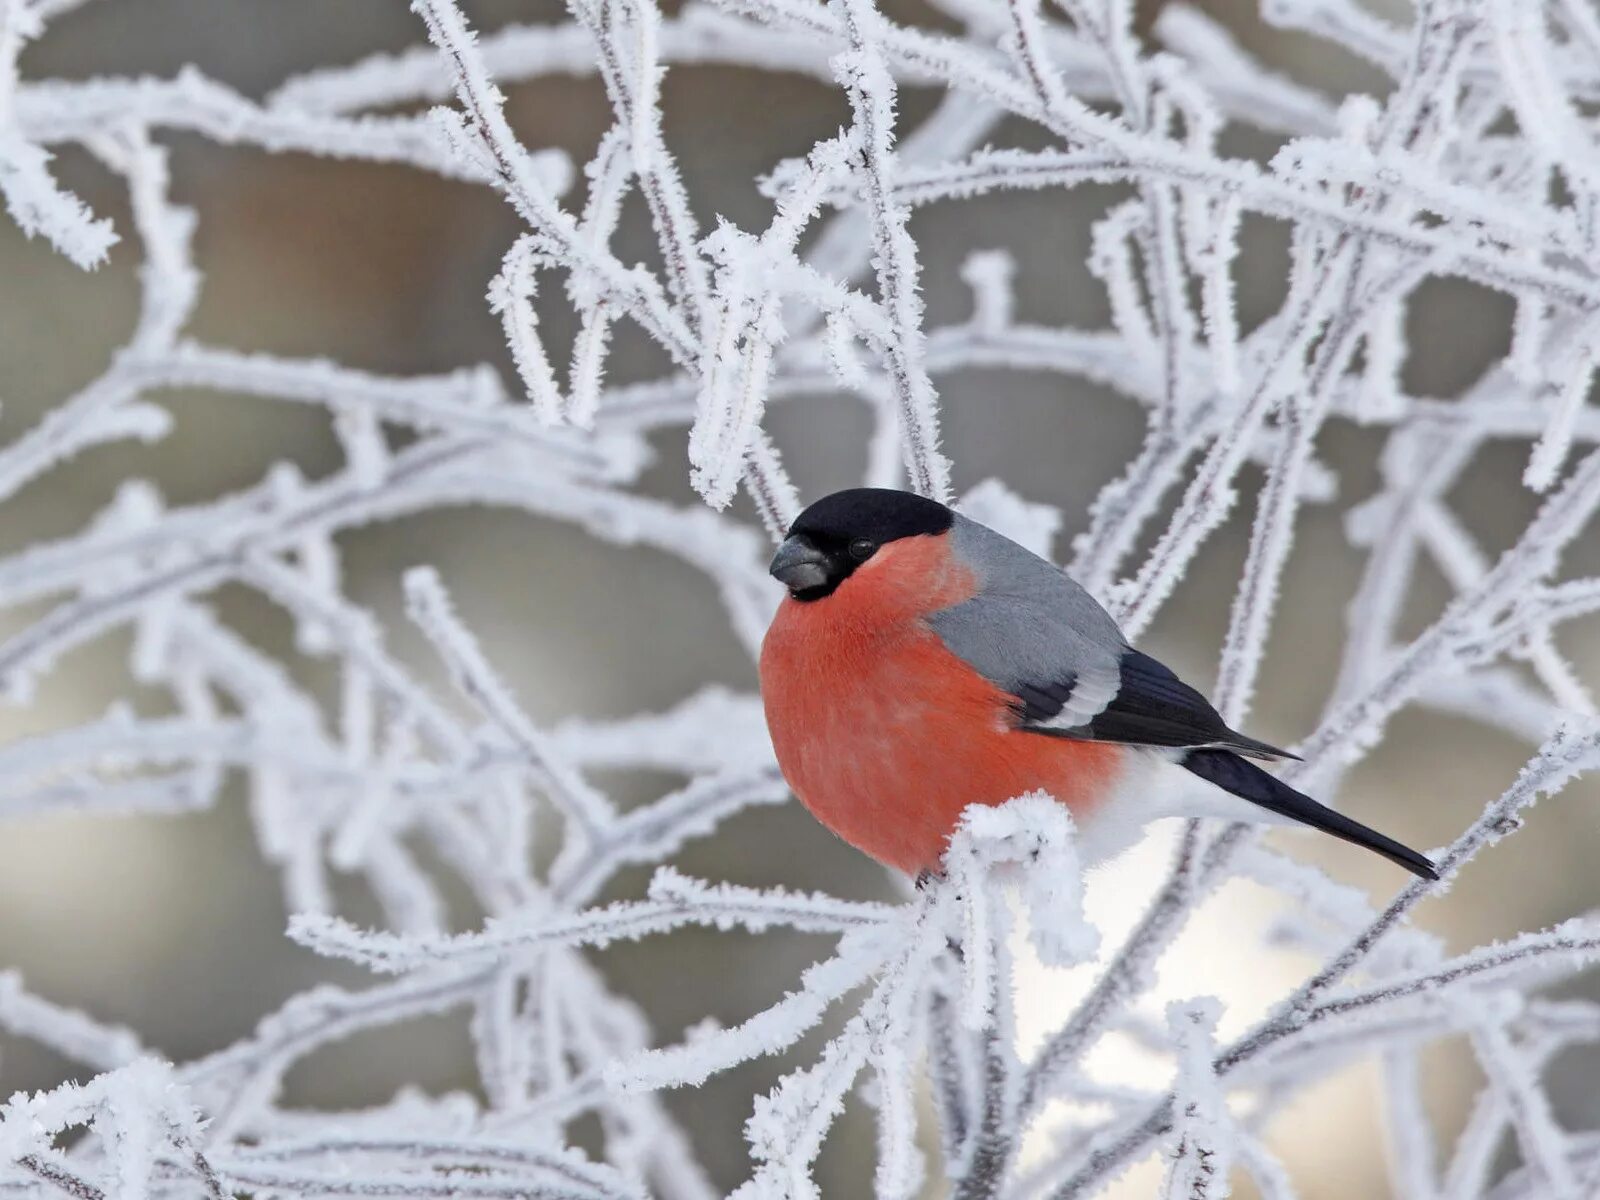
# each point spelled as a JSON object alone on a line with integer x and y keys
{"x": 884, "y": 734}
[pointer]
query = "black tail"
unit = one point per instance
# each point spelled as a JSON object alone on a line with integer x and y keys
{"x": 1249, "y": 782}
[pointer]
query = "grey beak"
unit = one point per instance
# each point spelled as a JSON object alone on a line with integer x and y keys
{"x": 799, "y": 565}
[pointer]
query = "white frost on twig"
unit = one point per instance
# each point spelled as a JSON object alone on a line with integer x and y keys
{"x": 1478, "y": 163}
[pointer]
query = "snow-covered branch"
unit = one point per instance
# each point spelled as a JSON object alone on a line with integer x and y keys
{"x": 1478, "y": 164}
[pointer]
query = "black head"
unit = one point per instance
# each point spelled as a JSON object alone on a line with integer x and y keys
{"x": 840, "y": 532}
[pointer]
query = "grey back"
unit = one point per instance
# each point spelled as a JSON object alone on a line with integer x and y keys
{"x": 1031, "y": 627}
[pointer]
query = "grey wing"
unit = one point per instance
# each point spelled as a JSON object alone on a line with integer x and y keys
{"x": 1034, "y": 632}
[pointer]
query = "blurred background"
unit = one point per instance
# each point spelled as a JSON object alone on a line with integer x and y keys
{"x": 174, "y": 926}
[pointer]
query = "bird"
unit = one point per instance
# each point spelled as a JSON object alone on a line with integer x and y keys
{"x": 921, "y": 662}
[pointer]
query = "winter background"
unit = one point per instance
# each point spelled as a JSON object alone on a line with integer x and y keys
{"x": 1277, "y": 326}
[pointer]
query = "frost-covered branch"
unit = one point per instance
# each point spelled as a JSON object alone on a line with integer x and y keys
{"x": 1476, "y": 165}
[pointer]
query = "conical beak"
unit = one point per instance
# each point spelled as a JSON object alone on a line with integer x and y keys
{"x": 799, "y": 565}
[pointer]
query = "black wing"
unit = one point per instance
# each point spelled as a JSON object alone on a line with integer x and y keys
{"x": 1150, "y": 707}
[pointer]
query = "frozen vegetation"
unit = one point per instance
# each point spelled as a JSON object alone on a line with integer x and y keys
{"x": 1481, "y": 163}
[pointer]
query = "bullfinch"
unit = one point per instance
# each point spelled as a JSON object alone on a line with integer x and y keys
{"x": 922, "y": 662}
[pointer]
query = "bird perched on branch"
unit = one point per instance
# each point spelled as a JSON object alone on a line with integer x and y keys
{"x": 922, "y": 662}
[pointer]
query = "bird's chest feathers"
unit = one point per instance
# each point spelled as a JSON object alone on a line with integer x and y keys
{"x": 859, "y": 690}
{"x": 863, "y": 692}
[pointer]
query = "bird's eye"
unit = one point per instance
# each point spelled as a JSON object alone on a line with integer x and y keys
{"x": 862, "y": 549}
